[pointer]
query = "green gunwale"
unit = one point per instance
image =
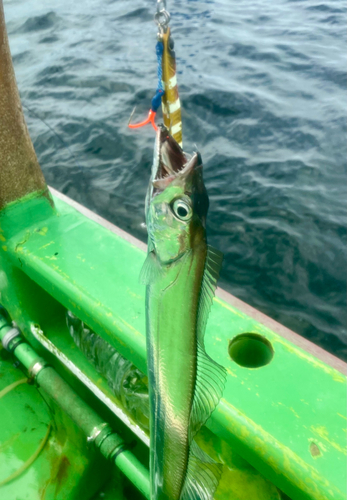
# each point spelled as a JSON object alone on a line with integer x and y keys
{"x": 273, "y": 416}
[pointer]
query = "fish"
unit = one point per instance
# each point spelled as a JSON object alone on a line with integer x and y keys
{"x": 171, "y": 105}
{"x": 180, "y": 274}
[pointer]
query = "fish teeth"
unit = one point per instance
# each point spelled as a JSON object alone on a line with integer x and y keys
{"x": 165, "y": 157}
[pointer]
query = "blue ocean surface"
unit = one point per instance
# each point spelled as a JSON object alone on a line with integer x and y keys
{"x": 263, "y": 91}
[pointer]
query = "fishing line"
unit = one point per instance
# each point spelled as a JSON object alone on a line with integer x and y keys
{"x": 66, "y": 146}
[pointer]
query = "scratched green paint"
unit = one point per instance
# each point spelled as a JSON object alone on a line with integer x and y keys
{"x": 269, "y": 415}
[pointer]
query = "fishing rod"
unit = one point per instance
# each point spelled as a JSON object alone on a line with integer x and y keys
{"x": 166, "y": 94}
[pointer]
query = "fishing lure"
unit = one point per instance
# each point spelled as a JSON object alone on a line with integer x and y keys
{"x": 171, "y": 104}
{"x": 167, "y": 89}
{"x": 181, "y": 271}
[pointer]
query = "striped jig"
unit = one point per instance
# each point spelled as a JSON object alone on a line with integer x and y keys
{"x": 171, "y": 105}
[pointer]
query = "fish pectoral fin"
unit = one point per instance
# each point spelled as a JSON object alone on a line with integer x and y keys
{"x": 202, "y": 477}
{"x": 210, "y": 382}
{"x": 213, "y": 265}
{"x": 151, "y": 269}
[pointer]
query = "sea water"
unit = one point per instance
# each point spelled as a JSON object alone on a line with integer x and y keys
{"x": 263, "y": 92}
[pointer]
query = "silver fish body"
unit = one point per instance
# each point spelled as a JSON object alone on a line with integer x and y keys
{"x": 180, "y": 273}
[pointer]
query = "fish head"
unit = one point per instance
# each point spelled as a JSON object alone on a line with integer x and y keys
{"x": 177, "y": 201}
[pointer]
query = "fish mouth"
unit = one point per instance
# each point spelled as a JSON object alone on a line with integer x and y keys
{"x": 171, "y": 161}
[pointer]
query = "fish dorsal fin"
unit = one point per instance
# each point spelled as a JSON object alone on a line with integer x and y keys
{"x": 203, "y": 473}
{"x": 213, "y": 265}
{"x": 151, "y": 269}
{"x": 202, "y": 477}
{"x": 210, "y": 381}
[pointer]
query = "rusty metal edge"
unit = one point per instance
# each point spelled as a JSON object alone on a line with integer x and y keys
{"x": 270, "y": 323}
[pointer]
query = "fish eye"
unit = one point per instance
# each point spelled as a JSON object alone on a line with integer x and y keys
{"x": 182, "y": 210}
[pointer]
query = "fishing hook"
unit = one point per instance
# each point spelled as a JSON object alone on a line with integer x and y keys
{"x": 156, "y": 101}
{"x": 149, "y": 119}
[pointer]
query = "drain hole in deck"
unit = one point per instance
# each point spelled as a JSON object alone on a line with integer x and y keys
{"x": 250, "y": 350}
